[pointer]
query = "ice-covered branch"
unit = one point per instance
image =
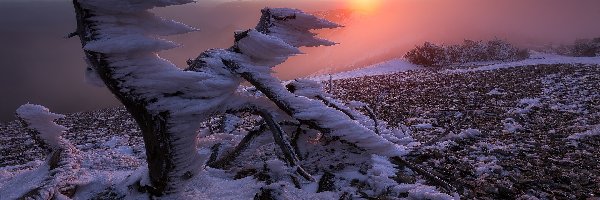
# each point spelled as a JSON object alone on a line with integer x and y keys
{"x": 229, "y": 157}
{"x": 40, "y": 122}
{"x": 316, "y": 114}
{"x": 293, "y": 27}
{"x": 63, "y": 159}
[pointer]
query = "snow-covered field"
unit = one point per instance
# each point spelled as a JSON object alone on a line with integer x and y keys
{"x": 494, "y": 131}
{"x": 536, "y": 58}
{"x": 387, "y": 67}
{"x": 401, "y": 65}
{"x": 504, "y": 132}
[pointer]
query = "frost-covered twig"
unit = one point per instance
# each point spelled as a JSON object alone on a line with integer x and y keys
{"x": 449, "y": 130}
{"x": 226, "y": 160}
{"x": 373, "y": 117}
{"x": 261, "y": 108}
{"x": 296, "y": 138}
{"x": 335, "y": 106}
{"x": 214, "y": 152}
{"x": 63, "y": 159}
{"x": 282, "y": 141}
{"x": 429, "y": 176}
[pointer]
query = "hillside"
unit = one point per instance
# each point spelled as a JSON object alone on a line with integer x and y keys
{"x": 528, "y": 126}
{"x": 494, "y": 132}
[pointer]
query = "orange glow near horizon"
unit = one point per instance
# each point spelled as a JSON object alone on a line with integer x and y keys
{"x": 365, "y": 5}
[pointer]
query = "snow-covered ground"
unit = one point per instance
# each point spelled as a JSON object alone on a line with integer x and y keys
{"x": 387, "y": 67}
{"x": 402, "y": 65}
{"x": 536, "y": 58}
{"x": 537, "y": 126}
{"x": 502, "y": 133}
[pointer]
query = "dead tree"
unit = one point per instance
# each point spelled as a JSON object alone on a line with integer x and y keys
{"x": 120, "y": 41}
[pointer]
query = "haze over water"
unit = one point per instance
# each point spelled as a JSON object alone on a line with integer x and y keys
{"x": 38, "y": 65}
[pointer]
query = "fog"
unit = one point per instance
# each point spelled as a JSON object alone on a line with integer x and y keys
{"x": 38, "y": 65}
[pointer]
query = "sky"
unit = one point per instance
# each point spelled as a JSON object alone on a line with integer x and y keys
{"x": 38, "y": 65}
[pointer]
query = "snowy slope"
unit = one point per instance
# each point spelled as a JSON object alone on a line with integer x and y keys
{"x": 402, "y": 65}
{"x": 387, "y": 67}
{"x": 482, "y": 155}
{"x": 535, "y": 59}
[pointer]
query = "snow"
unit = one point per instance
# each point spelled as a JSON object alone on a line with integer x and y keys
{"x": 266, "y": 50}
{"x": 24, "y": 183}
{"x": 143, "y": 23}
{"x": 419, "y": 191}
{"x": 402, "y": 65}
{"x": 387, "y": 67}
{"x": 464, "y": 134}
{"x": 423, "y": 126}
{"x": 215, "y": 184}
{"x": 496, "y": 91}
{"x": 535, "y": 59}
{"x": 293, "y": 27}
{"x": 583, "y": 135}
{"x": 380, "y": 173}
{"x": 526, "y": 105}
{"x": 511, "y": 126}
{"x": 92, "y": 77}
{"x": 112, "y": 143}
{"x": 125, "y": 44}
{"x": 307, "y": 88}
{"x": 41, "y": 119}
{"x": 486, "y": 165}
{"x": 129, "y": 6}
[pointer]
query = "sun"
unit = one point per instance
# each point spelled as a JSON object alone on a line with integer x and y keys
{"x": 365, "y": 5}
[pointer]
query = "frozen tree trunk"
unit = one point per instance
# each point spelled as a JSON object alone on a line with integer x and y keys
{"x": 153, "y": 127}
{"x": 164, "y": 162}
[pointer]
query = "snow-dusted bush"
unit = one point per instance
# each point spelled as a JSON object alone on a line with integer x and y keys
{"x": 433, "y": 55}
{"x": 586, "y": 48}
{"x": 429, "y": 54}
{"x": 579, "y": 48}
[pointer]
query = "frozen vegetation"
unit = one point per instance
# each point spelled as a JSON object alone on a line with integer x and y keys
{"x": 493, "y": 130}
{"x": 551, "y": 153}
{"x": 315, "y": 135}
{"x": 433, "y": 55}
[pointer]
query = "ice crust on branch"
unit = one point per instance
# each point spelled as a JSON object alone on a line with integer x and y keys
{"x": 317, "y": 114}
{"x": 294, "y": 26}
{"x": 265, "y": 50}
{"x": 144, "y": 23}
{"x": 129, "y": 6}
{"x": 41, "y": 120}
{"x": 124, "y": 44}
